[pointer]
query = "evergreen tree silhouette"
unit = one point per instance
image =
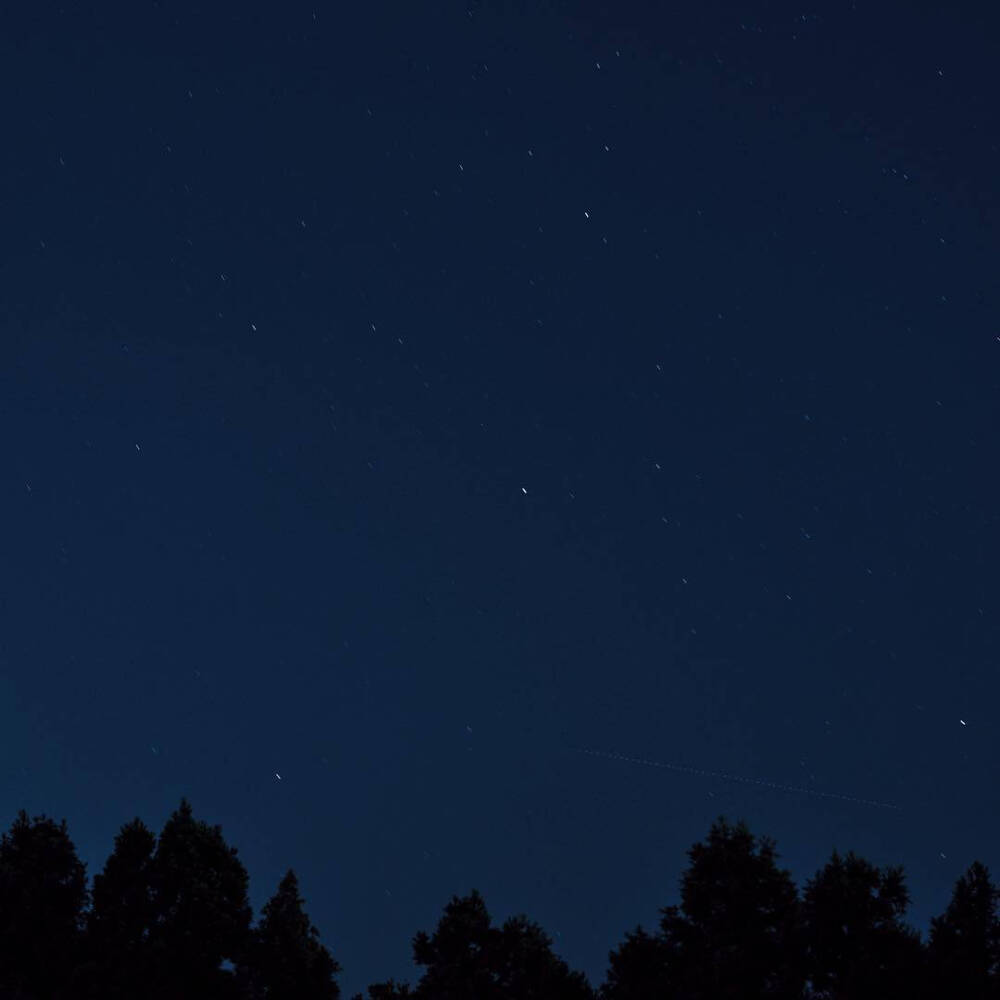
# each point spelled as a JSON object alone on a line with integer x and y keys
{"x": 857, "y": 947}
{"x": 201, "y": 913}
{"x": 466, "y": 957}
{"x": 120, "y": 920}
{"x": 285, "y": 959}
{"x": 735, "y": 934}
{"x": 528, "y": 969}
{"x": 964, "y": 948}
{"x": 640, "y": 968}
{"x": 458, "y": 955}
{"x": 169, "y": 913}
{"x": 43, "y": 891}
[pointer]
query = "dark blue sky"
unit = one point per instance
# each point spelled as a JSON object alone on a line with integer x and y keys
{"x": 401, "y": 398}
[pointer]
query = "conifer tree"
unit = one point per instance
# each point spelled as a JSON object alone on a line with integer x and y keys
{"x": 118, "y": 925}
{"x": 43, "y": 891}
{"x": 285, "y": 959}
{"x": 457, "y": 955}
{"x": 201, "y": 912}
{"x": 964, "y": 946}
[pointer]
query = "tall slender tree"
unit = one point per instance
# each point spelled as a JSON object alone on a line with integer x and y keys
{"x": 285, "y": 959}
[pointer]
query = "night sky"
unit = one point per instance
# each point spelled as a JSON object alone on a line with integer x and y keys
{"x": 420, "y": 419}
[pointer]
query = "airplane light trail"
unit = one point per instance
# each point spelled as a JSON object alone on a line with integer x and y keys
{"x": 725, "y": 776}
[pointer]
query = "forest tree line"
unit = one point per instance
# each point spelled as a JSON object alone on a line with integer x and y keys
{"x": 169, "y": 918}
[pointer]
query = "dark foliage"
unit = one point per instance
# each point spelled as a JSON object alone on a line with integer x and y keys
{"x": 43, "y": 889}
{"x": 964, "y": 947}
{"x": 640, "y": 967}
{"x": 169, "y": 919}
{"x": 735, "y": 934}
{"x": 856, "y": 943}
{"x": 468, "y": 957}
{"x": 389, "y": 990}
{"x": 118, "y": 963}
{"x": 284, "y": 957}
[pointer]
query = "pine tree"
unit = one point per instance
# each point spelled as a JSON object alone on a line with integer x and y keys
{"x": 457, "y": 955}
{"x": 201, "y": 912}
{"x": 43, "y": 891}
{"x": 120, "y": 920}
{"x": 964, "y": 947}
{"x": 285, "y": 959}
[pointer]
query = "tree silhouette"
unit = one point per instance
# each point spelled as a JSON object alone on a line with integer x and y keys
{"x": 201, "y": 913}
{"x": 169, "y": 914}
{"x": 457, "y": 956}
{"x": 467, "y": 957}
{"x": 528, "y": 969}
{"x": 735, "y": 933}
{"x": 120, "y": 920}
{"x": 964, "y": 948}
{"x": 43, "y": 891}
{"x": 640, "y": 968}
{"x": 857, "y": 946}
{"x": 285, "y": 959}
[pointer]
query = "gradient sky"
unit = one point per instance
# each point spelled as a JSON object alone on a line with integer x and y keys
{"x": 402, "y": 398}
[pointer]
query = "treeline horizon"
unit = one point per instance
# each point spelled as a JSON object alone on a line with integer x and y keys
{"x": 169, "y": 917}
